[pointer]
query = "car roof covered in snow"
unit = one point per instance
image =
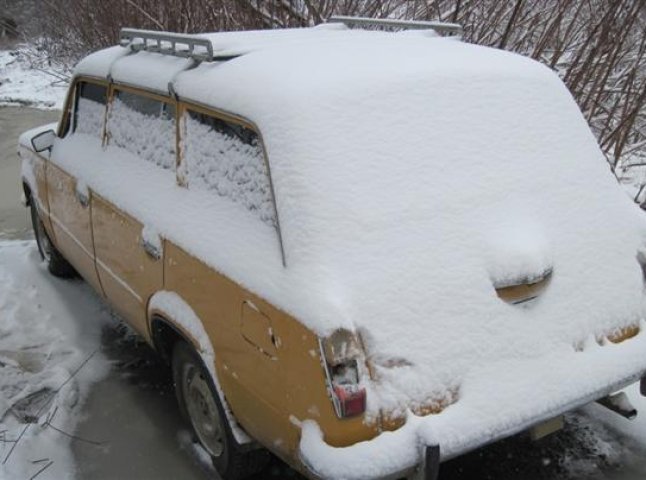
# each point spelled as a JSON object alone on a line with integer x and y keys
{"x": 303, "y": 54}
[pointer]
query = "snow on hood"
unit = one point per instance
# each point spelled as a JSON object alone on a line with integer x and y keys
{"x": 411, "y": 176}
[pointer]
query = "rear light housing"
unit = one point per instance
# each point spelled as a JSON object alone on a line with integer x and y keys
{"x": 343, "y": 359}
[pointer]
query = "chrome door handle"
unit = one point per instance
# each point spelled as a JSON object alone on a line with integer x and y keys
{"x": 83, "y": 199}
{"x": 151, "y": 250}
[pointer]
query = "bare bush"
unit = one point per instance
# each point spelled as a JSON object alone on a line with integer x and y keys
{"x": 598, "y": 47}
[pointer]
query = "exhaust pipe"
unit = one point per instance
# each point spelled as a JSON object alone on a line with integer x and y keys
{"x": 620, "y": 404}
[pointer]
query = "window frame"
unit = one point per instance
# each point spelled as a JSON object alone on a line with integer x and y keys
{"x": 115, "y": 86}
{"x": 182, "y": 109}
{"x": 67, "y": 120}
{"x": 181, "y": 106}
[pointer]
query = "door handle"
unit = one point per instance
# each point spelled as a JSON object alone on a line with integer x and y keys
{"x": 151, "y": 250}
{"x": 83, "y": 199}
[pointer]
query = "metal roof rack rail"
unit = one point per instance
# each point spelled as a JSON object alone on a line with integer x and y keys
{"x": 167, "y": 43}
{"x": 439, "y": 27}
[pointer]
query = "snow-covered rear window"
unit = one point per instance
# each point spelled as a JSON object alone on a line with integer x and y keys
{"x": 227, "y": 158}
{"x": 143, "y": 126}
{"x": 89, "y": 112}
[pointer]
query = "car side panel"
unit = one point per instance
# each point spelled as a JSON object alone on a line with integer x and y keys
{"x": 268, "y": 389}
{"x": 39, "y": 193}
{"x": 128, "y": 274}
{"x": 252, "y": 381}
{"x": 70, "y": 222}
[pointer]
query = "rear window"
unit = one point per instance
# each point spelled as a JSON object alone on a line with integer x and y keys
{"x": 227, "y": 158}
{"x": 144, "y": 126}
{"x": 89, "y": 111}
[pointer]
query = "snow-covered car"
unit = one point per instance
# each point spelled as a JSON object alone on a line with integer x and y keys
{"x": 364, "y": 251}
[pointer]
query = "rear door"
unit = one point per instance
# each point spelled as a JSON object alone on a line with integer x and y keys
{"x": 141, "y": 126}
{"x": 68, "y": 197}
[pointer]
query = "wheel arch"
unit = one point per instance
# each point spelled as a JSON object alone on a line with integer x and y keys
{"x": 164, "y": 333}
{"x": 171, "y": 318}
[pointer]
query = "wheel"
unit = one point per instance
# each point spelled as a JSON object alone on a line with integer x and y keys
{"x": 56, "y": 263}
{"x": 200, "y": 405}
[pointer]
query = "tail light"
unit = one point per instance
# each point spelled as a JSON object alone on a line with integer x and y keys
{"x": 342, "y": 357}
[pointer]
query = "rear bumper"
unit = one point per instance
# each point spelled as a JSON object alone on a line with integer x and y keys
{"x": 472, "y": 422}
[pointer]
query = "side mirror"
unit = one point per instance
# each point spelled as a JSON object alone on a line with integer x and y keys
{"x": 43, "y": 141}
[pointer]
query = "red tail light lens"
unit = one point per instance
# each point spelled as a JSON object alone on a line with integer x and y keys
{"x": 351, "y": 400}
{"x": 342, "y": 357}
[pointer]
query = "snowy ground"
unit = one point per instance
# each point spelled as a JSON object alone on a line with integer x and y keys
{"x": 22, "y": 85}
{"x": 49, "y": 357}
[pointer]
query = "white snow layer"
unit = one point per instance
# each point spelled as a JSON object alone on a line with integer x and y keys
{"x": 22, "y": 85}
{"x": 92, "y": 113}
{"x": 49, "y": 328}
{"x": 240, "y": 174}
{"x": 149, "y": 137}
{"x": 411, "y": 175}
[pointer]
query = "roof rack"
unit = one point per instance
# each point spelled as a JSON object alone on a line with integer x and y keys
{"x": 439, "y": 27}
{"x": 175, "y": 44}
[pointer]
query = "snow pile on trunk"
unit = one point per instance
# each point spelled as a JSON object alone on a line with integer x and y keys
{"x": 49, "y": 333}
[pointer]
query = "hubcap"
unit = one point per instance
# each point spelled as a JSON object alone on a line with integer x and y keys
{"x": 203, "y": 411}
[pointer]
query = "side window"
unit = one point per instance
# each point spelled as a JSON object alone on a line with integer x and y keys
{"x": 89, "y": 111}
{"x": 227, "y": 159}
{"x": 143, "y": 126}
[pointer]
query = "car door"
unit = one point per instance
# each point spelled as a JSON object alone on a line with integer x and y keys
{"x": 141, "y": 126}
{"x": 68, "y": 197}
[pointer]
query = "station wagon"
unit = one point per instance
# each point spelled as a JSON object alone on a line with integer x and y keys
{"x": 364, "y": 251}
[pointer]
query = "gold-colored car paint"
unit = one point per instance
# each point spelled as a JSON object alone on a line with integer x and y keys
{"x": 624, "y": 334}
{"x": 523, "y": 291}
{"x": 39, "y": 167}
{"x": 267, "y": 394}
{"x": 129, "y": 275}
{"x": 70, "y": 219}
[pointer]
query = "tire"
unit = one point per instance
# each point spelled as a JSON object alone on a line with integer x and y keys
{"x": 200, "y": 405}
{"x": 56, "y": 263}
